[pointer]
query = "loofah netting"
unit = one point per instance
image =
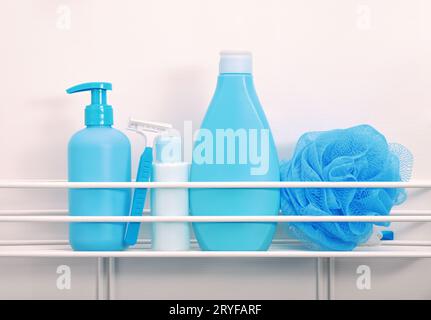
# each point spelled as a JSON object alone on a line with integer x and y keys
{"x": 360, "y": 153}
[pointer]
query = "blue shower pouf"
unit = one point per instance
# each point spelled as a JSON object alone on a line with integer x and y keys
{"x": 360, "y": 153}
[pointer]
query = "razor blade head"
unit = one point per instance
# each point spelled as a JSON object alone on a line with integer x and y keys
{"x": 148, "y": 126}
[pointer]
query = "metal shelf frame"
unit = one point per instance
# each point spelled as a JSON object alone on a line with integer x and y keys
{"x": 409, "y": 249}
{"x": 281, "y": 248}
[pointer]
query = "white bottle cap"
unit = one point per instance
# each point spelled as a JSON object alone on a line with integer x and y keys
{"x": 168, "y": 148}
{"x": 235, "y": 62}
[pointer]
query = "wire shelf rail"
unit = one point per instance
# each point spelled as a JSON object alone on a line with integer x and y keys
{"x": 281, "y": 248}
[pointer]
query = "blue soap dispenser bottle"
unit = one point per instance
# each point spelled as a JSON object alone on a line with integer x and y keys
{"x": 98, "y": 153}
{"x": 234, "y": 144}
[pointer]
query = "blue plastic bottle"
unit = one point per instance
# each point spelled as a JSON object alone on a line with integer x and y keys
{"x": 98, "y": 153}
{"x": 234, "y": 144}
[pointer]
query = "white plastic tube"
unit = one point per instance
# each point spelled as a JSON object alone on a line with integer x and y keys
{"x": 170, "y": 202}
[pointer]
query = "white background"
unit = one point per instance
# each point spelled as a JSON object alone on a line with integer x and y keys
{"x": 318, "y": 65}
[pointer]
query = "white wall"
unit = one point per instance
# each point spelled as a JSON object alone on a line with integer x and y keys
{"x": 318, "y": 65}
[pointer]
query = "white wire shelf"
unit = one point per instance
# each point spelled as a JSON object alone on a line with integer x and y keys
{"x": 64, "y": 212}
{"x": 281, "y": 248}
{"x": 277, "y": 251}
{"x": 151, "y": 219}
{"x": 147, "y": 242}
{"x": 44, "y": 184}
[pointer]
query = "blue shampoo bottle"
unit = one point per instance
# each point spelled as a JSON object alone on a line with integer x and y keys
{"x": 98, "y": 153}
{"x": 234, "y": 144}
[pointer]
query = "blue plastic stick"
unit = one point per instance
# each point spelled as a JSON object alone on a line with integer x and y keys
{"x": 139, "y": 195}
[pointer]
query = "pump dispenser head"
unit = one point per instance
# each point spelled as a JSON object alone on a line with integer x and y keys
{"x": 235, "y": 62}
{"x": 98, "y": 113}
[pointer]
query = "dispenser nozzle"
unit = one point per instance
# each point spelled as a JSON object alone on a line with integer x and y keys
{"x": 98, "y": 112}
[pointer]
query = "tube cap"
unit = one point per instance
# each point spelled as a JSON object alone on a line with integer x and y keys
{"x": 168, "y": 148}
{"x": 235, "y": 62}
